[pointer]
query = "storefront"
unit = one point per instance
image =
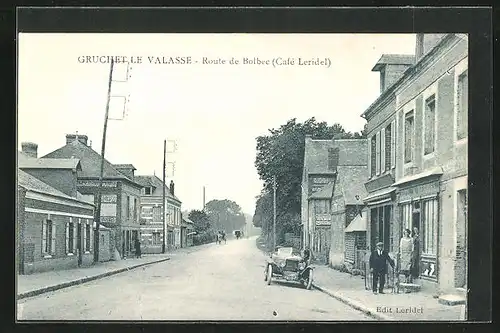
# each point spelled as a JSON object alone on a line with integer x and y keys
{"x": 418, "y": 203}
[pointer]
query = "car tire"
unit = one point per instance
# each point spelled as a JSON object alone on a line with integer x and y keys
{"x": 309, "y": 280}
{"x": 269, "y": 274}
{"x": 265, "y": 275}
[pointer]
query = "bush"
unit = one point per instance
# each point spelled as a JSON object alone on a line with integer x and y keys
{"x": 204, "y": 237}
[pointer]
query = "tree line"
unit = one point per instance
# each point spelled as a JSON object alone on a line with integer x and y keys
{"x": 280, "y": 154}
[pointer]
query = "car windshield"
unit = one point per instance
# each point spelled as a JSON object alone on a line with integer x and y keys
{"x": 285, "y": 251}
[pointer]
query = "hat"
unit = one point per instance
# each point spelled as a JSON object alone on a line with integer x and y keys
{"x": 380, "y": 243}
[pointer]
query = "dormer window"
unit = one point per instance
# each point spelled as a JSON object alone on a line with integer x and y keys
{"x": 147, "y": 190}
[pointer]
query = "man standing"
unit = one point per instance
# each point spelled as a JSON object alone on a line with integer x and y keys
{"x": 378, "y": 267}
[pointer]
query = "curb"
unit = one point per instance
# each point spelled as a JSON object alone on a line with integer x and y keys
{"x": 356, "y": 305}
{"x": 83, "y": 280}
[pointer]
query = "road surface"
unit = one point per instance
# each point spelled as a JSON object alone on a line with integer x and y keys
{"x": 214, "y": 282}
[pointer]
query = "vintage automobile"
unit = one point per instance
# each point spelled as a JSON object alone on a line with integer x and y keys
{"x": 285, "y": 265}
{"x": 237, "y": 234}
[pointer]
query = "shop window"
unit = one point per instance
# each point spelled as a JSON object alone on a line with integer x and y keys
{"x": 462, "y": 105}
{"x": 429, "y": 125}
{"x": 156, "y": 238}
{"x": 429, "y": 226}
{"x": 409, "y": 133}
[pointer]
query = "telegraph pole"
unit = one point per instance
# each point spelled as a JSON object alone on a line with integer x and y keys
{"x": 164, "y": 203}
{"x": 274, "y": 213}
{"x": 99, "y": 189}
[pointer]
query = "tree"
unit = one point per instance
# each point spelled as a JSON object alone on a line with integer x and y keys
{"x": 281, "y": 154}
{"x": 225, "y": 215}
{"x": 200, "y": 219}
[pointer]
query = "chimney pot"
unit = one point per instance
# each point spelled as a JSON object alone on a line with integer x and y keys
{"x": 172, "y": 187}
{"x": 30, "y": 149}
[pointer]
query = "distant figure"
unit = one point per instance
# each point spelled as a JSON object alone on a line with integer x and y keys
{"x": 224, "y": 237}
{"x": 137, "y": 244}
{"x": 378, "y": 267}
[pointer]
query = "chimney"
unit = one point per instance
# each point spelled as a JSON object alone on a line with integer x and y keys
{"x": 73, "y": 137}
{"x": 391, "y": 68}
{"x": 425, "y": 43}
{"x": 172, "y": 187}
{"x": 30, "y": 149}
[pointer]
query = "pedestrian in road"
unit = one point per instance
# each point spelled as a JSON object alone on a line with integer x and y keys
{"x": 378, "y": 267}
{"x": 137, "y": 248}
{"x": 415, "y": 271}
{"x": 406, "y": 254}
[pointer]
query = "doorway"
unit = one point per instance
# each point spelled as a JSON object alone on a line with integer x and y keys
{"x": 461, "y": 234}
{"x": 79, "y": 243}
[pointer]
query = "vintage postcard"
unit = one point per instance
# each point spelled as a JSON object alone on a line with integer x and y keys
{"x": 242, "y": 177}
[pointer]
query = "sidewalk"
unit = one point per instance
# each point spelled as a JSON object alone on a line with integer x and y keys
{"x": 351, "y": 290}
{"x": 39, "y": 283}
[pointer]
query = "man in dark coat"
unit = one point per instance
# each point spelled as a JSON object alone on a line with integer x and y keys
{"x": 378, "y": 267}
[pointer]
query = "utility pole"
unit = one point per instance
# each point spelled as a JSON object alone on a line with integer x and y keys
{"x": 164, "y": 203}
{"x": 99, "y": 189}
{"x": 274, "y": 213}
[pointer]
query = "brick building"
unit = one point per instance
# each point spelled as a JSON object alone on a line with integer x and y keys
{"x": 317, "y": 187}
{"x": 54, "y": 229}
{"x": 120, "y": 200}
{"x": 151, "y": 214}
{"x": 350, "y": 164}
{"x": 419, "y": 180}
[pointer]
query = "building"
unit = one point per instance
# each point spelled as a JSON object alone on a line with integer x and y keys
{"x": 426, "y": 184}
{"x": 120, "y": 199}
{"x": 151, "y": 214}
{"x": 187, "y": 231}
{"x": 317, "y": 188}
{"x": 351, "y": 169}
{"x": 54, "y": 229}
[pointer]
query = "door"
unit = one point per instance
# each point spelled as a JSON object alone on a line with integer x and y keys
{"x": 461, "y": 256}
{"x": 79, "y": 243}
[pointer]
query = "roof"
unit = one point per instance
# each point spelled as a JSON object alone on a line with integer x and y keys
{"x": 325, "y": 192}
{"x": 124, "y": 166}
{"x": 154, "y": 181}
{"x": 316, "y": 156}
{"x": 90, "y": 161}
{"x": 394, "y": 59}
{"x": 359, "y": 223}
{"x": 352, "y": 151}
{"x": 27, "y": 162}
{"x": 31, "y": 183}
{"x": 351, "y": 181}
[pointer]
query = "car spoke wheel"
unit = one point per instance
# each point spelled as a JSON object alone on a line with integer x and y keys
{"x": 269, "y": 274}
{"x": 265, "y": 275}
{"x": 309, "y": 280}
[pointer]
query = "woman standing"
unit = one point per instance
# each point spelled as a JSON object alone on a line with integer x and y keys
{"x": 416, "y": 255}
{"x": 406, "y": 254}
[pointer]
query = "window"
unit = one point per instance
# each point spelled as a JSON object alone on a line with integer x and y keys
{"x": 147, "y": 212}
{"x": 156, "y": 211}
{"x": 393, "y": 144}
{"x": 108, "y": 209}
{"x": 409, "y": 131}
{"x": 147, "y": 190}
{"x": 389, "y": 147}
{"x": 156, "y": 238}
{"x": 70, "y": 237}
{"x": 135, "y": 209}
{"x": 429, "y": 124}
{"x": 373, "y": 155}
{"x": 377, "y": 149}
{"x": 88, "y": 237}
{"x": 462, "y": 105}
{"x": 48, "y": 237}
{"x": 429, "y": 226}
{"x": 322, "y": 206}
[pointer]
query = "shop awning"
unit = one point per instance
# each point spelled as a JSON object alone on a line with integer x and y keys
{"x": 434, "y": 172}
{"x": 359, "y": 223}
{"x": 101, "y": 227}
{"x": 379, "y": 196}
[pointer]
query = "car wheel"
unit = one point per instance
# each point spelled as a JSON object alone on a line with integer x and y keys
{"x": 265, "y": 275}
{"x": 269, "y": 274}
{"x": 309, "y": 280}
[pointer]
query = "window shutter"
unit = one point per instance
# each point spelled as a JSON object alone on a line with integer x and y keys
{"x": 393, "y": 144}
{"x": 370, "y": 156}
{"x": 53, "y": 240}
{"x": 84, "y": 232}
{"x": 75, "y": 235}
{"x": 67, "y": 237}
{"x": 91, "y": 235}
{"x": 382, "y": 150}
{"x": 44, "y": 235}
{"x": 377, "y": 159}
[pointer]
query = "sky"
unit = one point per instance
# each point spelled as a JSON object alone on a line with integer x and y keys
{"x": 214, "y": 112}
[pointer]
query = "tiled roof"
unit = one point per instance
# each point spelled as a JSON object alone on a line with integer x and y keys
{"x": 394, "y": 59}
{"x": 26, "y": 162}
{"x": 316, "y": 156}
{"x": 351, "y": 151}
{"x": 155, "y": 182}
{"x": 33, "y": 184}
{"x": 90, "y": 161}
{"x": 351, "y": 180}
